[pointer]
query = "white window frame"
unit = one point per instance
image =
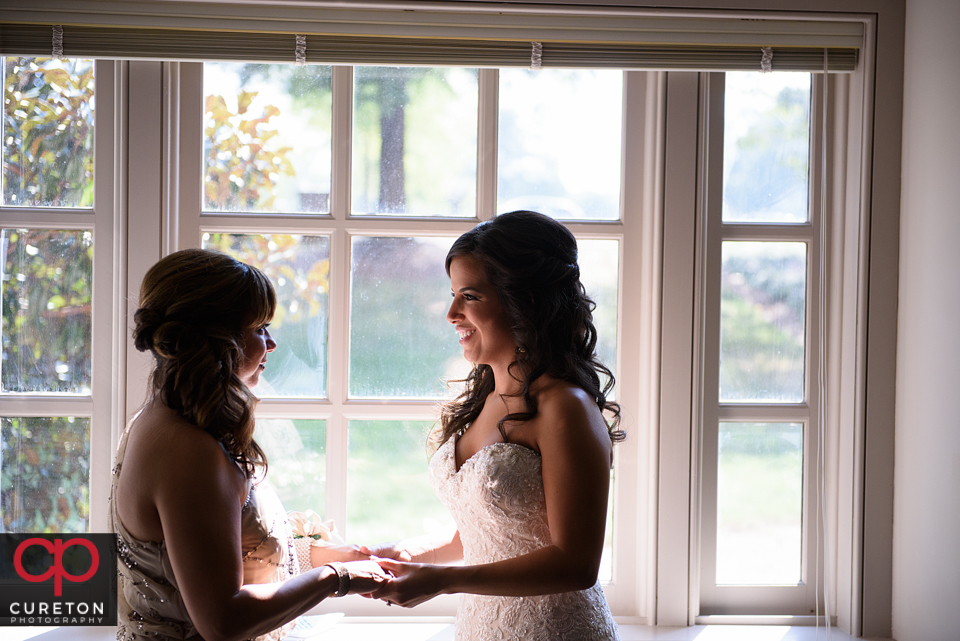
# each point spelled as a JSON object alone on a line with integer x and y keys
{"x": 806, "y": 597}
{"x": 849, "y": 500}
{"x": 184, "y": 224}
{"x": 105, "y": 221}
{"x": 863, "y": 186}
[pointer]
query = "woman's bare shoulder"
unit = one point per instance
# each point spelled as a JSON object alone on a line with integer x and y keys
{"x": 559, "y": 398}
{"x": 563, "y": 406}
{"x": 164, "y": 444}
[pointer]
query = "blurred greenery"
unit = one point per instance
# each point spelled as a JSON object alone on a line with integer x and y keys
{"x": 241, "y": 156}
{"x": 299, "y": 268}
{"x": 388, "y": 491}
{"x": 48, "y": 124}
{"x": 46, "y": 298}
{"x": 400, "y": 341}
{"x": 767, "y": 180}
{"x": 760, "y": 476}
{"x": 296, "y": 454}
{"x": 414, "y": 134}
{"x": 554, "y": 127}
{"x": 763, "y": 299}
{"x": 297, "y": 100}
{"x": 45, "y": 474}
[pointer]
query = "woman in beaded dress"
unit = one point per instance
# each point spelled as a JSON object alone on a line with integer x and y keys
{"x": 205, "y": 549}
{"x": 524, "y": 455}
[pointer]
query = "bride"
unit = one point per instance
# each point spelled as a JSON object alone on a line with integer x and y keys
{"x": 524, "y": 455}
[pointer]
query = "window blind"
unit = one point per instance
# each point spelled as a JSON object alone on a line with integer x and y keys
{"x": 253, "y": 46}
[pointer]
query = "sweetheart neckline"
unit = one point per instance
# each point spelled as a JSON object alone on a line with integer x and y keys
{"x": 453, "y": 455}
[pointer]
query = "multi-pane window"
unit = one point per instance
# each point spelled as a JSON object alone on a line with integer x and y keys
{"x": 46, "y": 293}
{"x": 352, "y": 218}
{"x": 759, "y": 382}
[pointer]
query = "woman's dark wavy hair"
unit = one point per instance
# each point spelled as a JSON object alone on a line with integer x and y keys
{"x": 531, "y": 261}
{"x": 194, "y": 306}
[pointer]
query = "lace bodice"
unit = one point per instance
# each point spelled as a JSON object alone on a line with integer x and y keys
{"x": 497, "y": 501}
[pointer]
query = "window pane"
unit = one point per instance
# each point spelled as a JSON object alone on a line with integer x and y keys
{"x": 46, "y": 293}
{"x": 299, "y": 267}
{"x": 762, "y": 322}
{"x": 599, "y": 269}
{"x": 559, "y": 147}
{"x": 266, "y": 138}
{"x": 388, "y": 493}
{"x": 45, "y": 474}
{"x": 605, "y": 574}
{"x": 401, "y": 344}
{"x": 599, "y": 261}
{"x": 766, "y": 144}
{"x": 759, "y": 503}
{"x": 415, "y": 141}
{"x": 297, "y": 464}
{"x": 48, "y": 109}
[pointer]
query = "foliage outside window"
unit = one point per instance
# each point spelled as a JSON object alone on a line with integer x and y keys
{"x": 48, "y": 116}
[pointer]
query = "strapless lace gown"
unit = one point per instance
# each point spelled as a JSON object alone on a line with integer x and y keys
{"x": 497, "y": 501}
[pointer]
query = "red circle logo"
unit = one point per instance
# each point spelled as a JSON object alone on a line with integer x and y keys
{"x": 57, "y": 571}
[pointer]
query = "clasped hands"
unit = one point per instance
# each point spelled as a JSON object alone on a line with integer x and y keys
{"x": 391, "y": 577}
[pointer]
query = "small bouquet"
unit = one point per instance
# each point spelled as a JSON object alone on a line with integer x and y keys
{"x": 308, "y": 525}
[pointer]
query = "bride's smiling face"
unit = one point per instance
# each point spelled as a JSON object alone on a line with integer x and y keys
{"x": 478, "y": 315}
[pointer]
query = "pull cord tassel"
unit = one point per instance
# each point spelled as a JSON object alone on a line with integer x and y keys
{"x": 57, "y": 42}
{"x": 766, "y": 59}
{"x": 536, "y": 56}
{"x": 301, "y": 50}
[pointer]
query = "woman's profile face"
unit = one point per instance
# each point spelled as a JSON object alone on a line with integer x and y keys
{"x": 478, "y": 316}
{"x": 255, "y": 344}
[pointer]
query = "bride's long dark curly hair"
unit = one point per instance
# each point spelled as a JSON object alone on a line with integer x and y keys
{"x": 531, "y": 261}
{"x": 194, "y": 306}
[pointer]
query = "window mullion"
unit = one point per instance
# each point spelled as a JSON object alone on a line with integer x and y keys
{"x": 108, "y": 309}
{"x": 342, "y": 130}
{"x": 487, "y": 143}
{"x": 338, "y": 336}
{"x": 183, "y": 155}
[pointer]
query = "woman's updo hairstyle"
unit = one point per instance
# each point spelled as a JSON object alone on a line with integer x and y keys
{"x": 531, "y": 261}
{"x": 194, "y": 306}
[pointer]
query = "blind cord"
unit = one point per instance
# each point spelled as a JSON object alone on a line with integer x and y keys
{"x": 821, "y": 369}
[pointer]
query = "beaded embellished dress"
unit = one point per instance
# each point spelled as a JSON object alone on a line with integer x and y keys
{"x": 497, "y": 501}
{"x": 149, "y": 603}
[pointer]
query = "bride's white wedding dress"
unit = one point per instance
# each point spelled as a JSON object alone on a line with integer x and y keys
{"x": 497, "y": 501}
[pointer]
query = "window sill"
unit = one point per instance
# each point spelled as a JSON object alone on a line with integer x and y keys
{"x": 441, "y": 629}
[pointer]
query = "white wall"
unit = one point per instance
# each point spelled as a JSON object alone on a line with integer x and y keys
{"x": 926, "y": 535}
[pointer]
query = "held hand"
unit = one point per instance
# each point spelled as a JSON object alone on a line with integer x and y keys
{"x": 323, "y": 554}
{"x": 412, "y": 583}
{"x": 366, "y": 576}
{"x": 386, "y": 551}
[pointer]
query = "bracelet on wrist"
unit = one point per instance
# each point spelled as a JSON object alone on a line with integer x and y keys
{"x": 343, "y": 577}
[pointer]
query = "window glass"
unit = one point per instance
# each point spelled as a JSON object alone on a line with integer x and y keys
{"x": 48, "y": 122}
{"x": 46, "y": 298}
{"x": 266, "y": 138}
{"x": 296, "y": 458}
{"x": 299, "y": 268}
{"x": 401, "y": 345}
{"x": 759, "y": 503}
{"x": 599, "y": 261}
{"x": 762, "y": 322}
{"x": 45, "y": 474}
{"x": 766, "y": 143}
{"x": 415, "y": 141}
{"x": 388, "y": 492}
{"x": 559, "y": 142}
